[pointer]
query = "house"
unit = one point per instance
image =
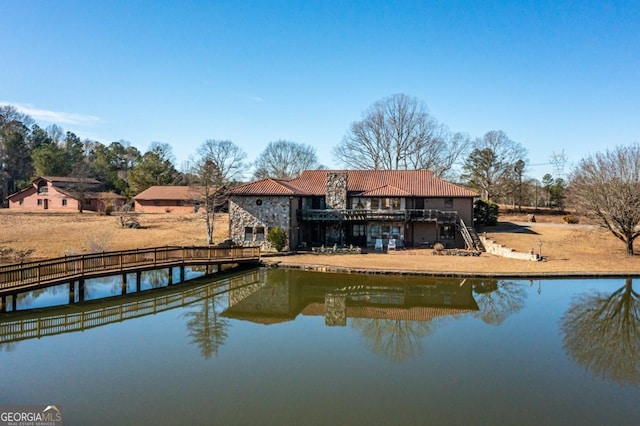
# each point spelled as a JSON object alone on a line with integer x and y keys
{"x": 354, "y": 207}
{"x": 169, "y": 199}
{"x": 65, "y": 194}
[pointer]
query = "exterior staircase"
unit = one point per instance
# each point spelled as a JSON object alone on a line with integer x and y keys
{"x": 471, "y": 238}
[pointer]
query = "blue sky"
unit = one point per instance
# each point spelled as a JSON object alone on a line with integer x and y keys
{"x": 554, "y": 75}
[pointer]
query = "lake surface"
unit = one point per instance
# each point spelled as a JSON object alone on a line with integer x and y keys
{"x": 296, "y": 347}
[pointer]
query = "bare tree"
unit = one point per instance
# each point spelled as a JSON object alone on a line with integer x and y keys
{"x": 398, "y": 133}
{"x": 606, "y": 186}
{"x": 83, "y": 183}
{"x": 284, "y": 159}
{"x": 492, "y": 164}
{"x": 228, "y": 158}
{"x": 219, "y": 165}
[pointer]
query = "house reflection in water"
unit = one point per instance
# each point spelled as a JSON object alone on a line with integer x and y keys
{"x": 288, "y": 294}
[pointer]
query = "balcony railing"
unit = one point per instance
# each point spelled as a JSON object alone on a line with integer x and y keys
{"x": 362, "y": 215}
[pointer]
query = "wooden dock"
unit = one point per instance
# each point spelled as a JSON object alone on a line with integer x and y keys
{"x": 21, "y": 277}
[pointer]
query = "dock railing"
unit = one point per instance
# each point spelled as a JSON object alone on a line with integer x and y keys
{"x": 29, "y": 274}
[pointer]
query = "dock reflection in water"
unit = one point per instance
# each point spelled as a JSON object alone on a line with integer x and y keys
{"x": 18, "y": 326}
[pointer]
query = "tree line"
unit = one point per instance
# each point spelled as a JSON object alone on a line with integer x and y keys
{"x": 28, "y": 151}
{"x": 395, "y": 133}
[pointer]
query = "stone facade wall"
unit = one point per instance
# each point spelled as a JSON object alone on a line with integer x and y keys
{"x": 336, "y": 196}
{"x": 335, "y": 308}
{"x": 258, "y": 211}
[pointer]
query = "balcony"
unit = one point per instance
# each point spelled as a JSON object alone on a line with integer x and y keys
{"x": 362, "y": 215}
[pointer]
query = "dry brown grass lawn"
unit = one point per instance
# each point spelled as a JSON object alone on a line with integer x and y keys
{"x": 52, "y": 234}
{"x": 566, "y": 248}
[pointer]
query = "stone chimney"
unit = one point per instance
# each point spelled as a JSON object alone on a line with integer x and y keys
{"x": 336, "y": 197}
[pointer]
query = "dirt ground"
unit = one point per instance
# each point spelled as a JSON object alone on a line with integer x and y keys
{"x": 566, "y": 249}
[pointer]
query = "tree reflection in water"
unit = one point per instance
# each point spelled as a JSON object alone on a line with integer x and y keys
{"x": 498, "y": 300}
{"x": 29, "y": 298}
{"x": 397, "y": 340}
{"x": 206, "y": 327}
{"x": 602, "y": 333}
{"x": 156, "y": 278}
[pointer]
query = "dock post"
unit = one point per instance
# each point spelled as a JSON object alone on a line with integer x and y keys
{"x": 72, "y": 293}
{"x": 138, "y": 280}
{"x": 3, "y": 304}
{"x": 123, "y": 284}
{"x": 181, "y": 273}
{"x": 170, "y": 275}
{"x": 81, "y": 290}
{"x": 14, "y": 302}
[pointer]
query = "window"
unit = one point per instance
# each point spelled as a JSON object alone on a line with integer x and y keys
{"x": 259, "y": 233}
{"x": 258, "y": 202}
{"x": 40, "y": 202}
{"x": 448, "y": 232}
{"x": 448, "y": 203}
{"x": 385, "y": 231}
{"x": 180, "y": 203}
{"x": 22, "y": 202}
{"x": 357, "y": 203}
{"x": 248, "y": 233}
{"x": 43, "y": 188}
{"x": 358, "y": 230}
{"x": 64, "y": 202}
{"x": 394, "y": 231}
{"x": 385, "y": 203}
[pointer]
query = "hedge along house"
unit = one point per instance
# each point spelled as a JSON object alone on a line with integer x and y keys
{"x": 65, "y": 194}
{"x": 169, "y": 199}
{"x": 354, "y": 207}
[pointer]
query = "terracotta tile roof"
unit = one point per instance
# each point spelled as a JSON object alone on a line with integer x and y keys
{"x": 418, "y": 183}
{"x": 58, "y": 179}
{"x": 265, "y": 187}
{"x": 170, "y": 193}
{"x": 386, "y": 190}
{"x": 414, "y": 313}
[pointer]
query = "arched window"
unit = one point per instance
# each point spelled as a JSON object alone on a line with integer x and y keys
{"x": 42, "y": 187}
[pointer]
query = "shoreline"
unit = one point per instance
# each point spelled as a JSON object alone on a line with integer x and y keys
{"x": 443, "y": 274}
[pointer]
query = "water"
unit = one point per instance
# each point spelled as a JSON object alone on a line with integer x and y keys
{"x": 296, "y": 347}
